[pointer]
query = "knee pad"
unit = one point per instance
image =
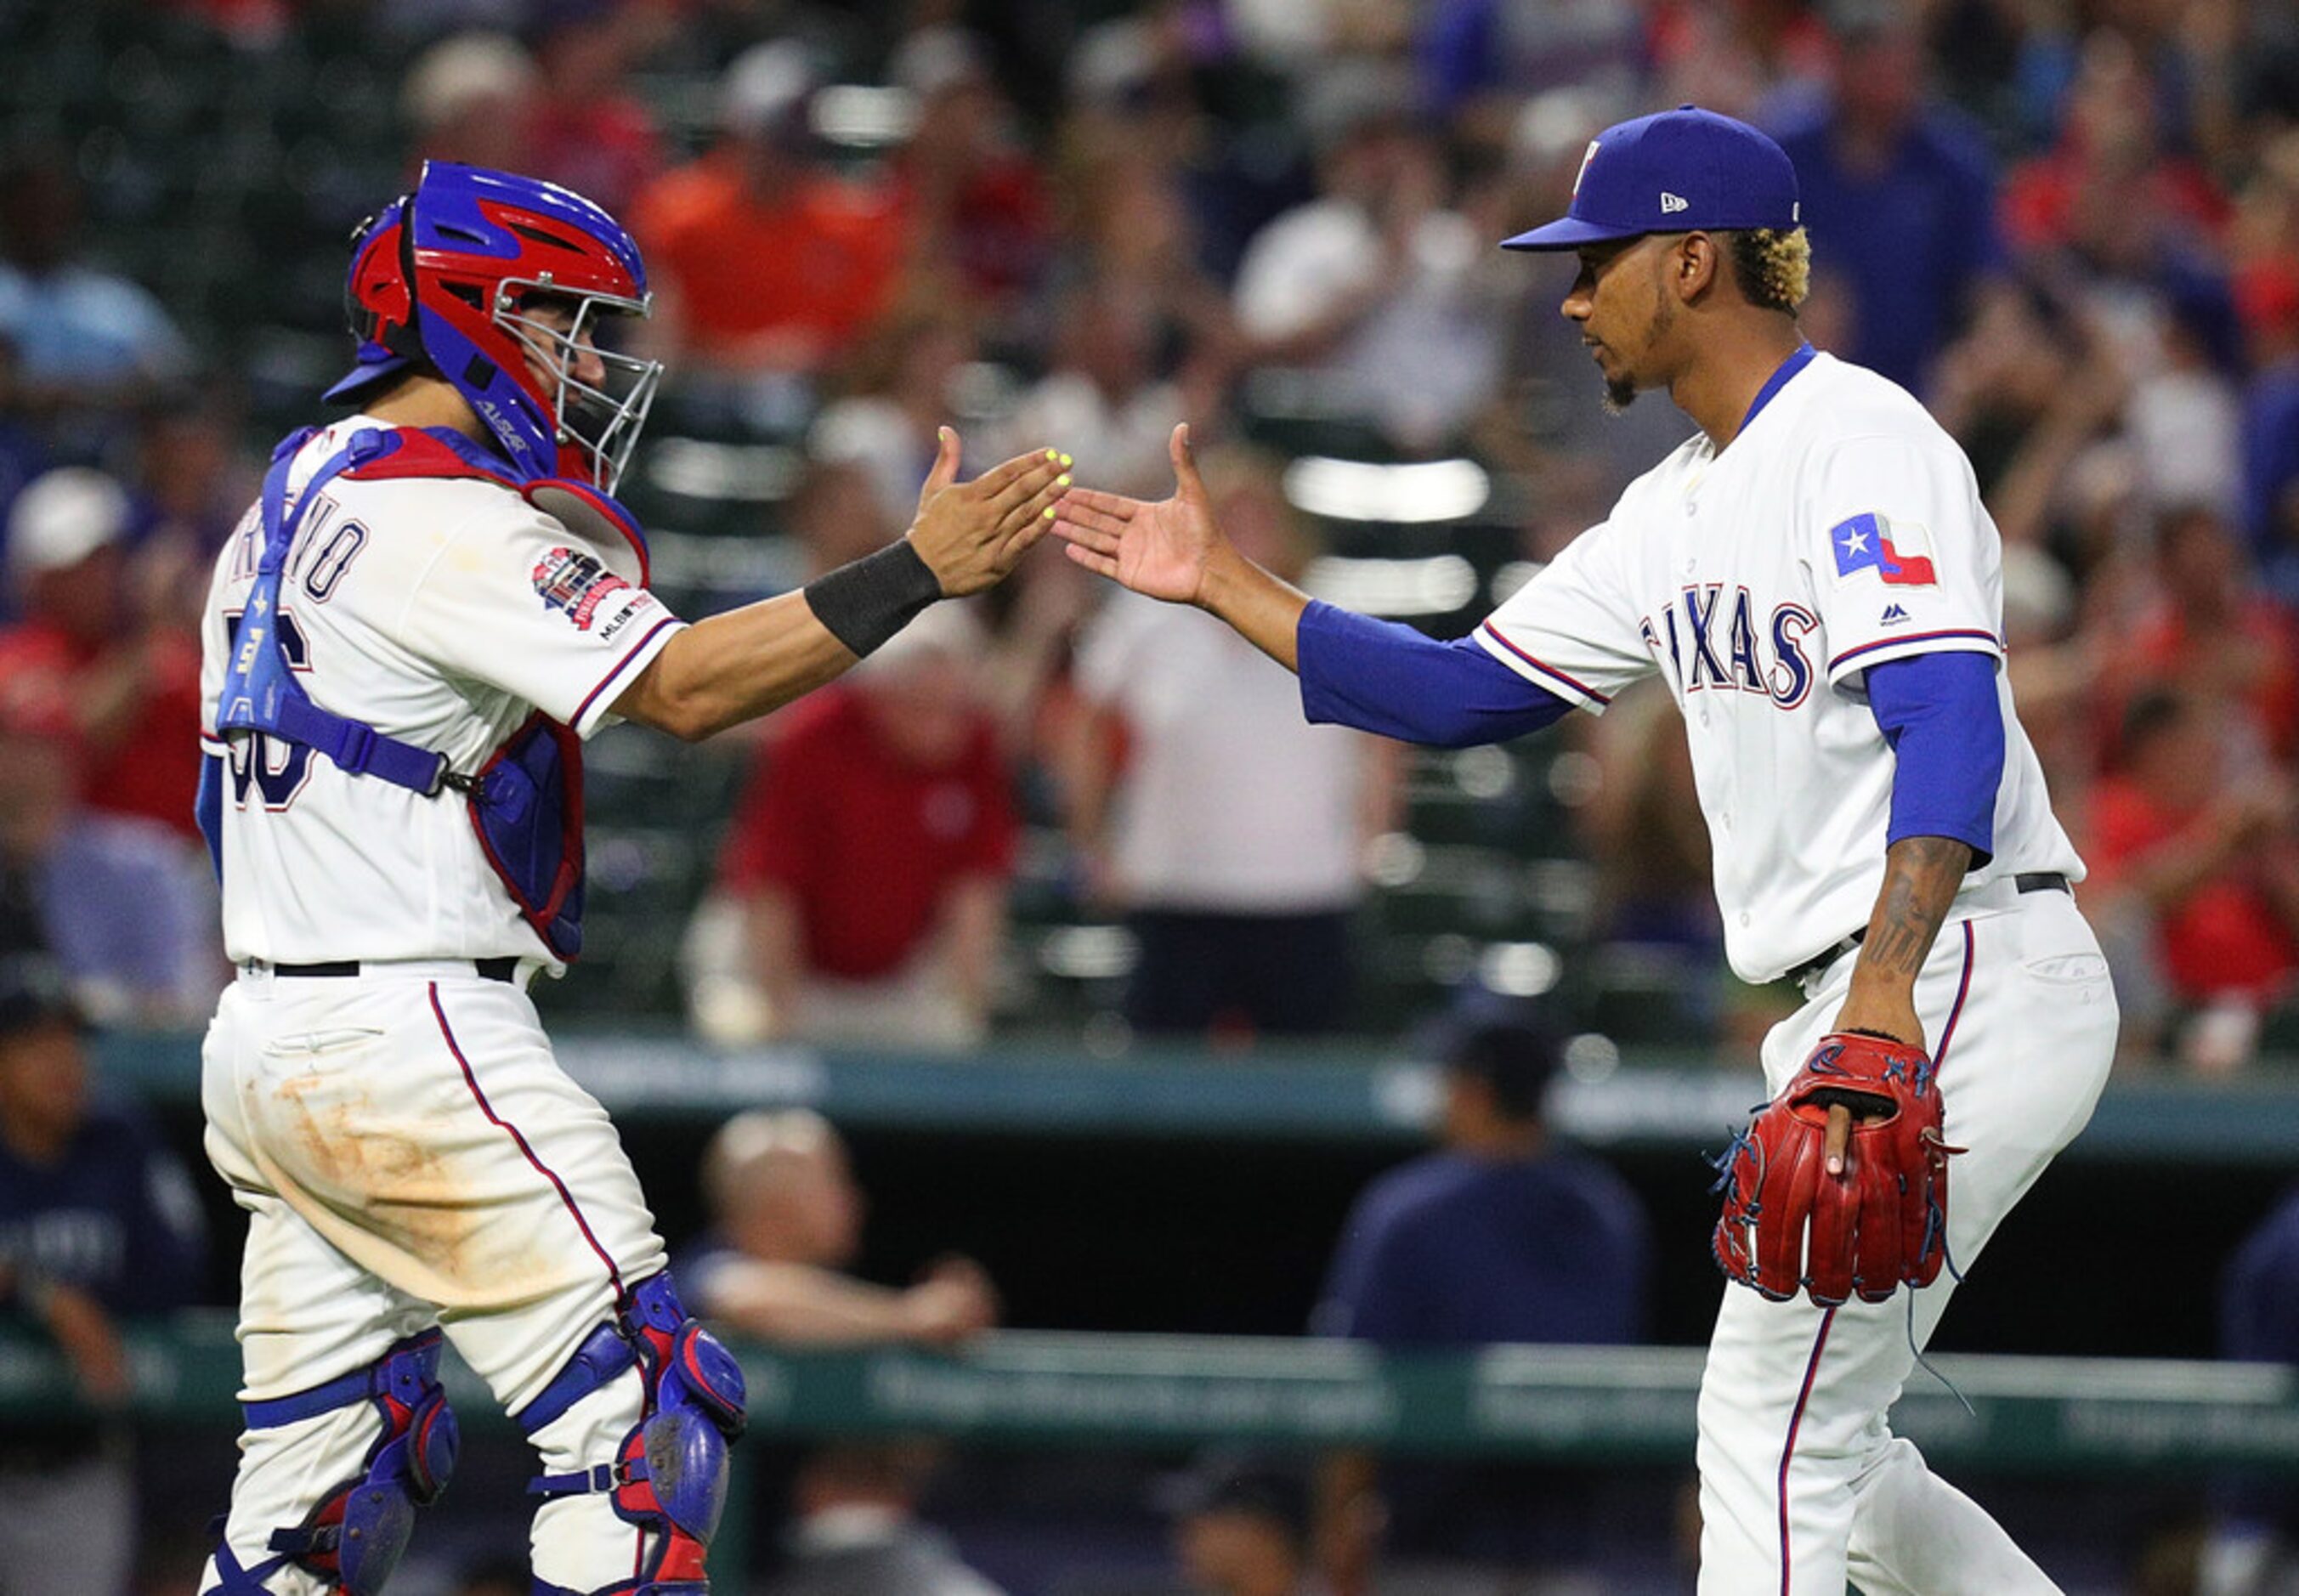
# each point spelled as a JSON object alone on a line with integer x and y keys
{"x": 669, "y": 1476}
{"x": 355, "y": 1535}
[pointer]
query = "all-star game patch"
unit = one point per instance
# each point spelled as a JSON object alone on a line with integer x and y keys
{"x": 575, "y": 583}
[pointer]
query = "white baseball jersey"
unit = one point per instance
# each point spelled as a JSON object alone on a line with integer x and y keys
{"x": 440, "y": 611}
{"x": 1840, "y": 529}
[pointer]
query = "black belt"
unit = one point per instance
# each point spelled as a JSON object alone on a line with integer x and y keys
{"x": 2031, "y": 881}
{"x": 504, "y": 970}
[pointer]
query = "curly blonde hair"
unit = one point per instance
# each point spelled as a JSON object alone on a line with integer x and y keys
{"x": 1774, "y": 267}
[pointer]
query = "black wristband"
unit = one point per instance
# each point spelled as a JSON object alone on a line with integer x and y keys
{"x": 867, "y": 600}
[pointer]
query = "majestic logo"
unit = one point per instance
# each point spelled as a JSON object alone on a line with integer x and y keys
{"x": 1590, "y": 154}
{"x": 1899, "y": 551}
{"x": 1669, "y": 203}
{"x": 1893, "y": 616}
{"x": 575, "y": 583}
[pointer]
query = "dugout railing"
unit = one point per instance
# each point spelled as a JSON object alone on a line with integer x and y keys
{"x": 1602, "y": 1407}
{"x": 1346, "y": 1092}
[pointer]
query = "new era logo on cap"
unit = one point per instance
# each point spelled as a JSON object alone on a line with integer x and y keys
{"x": 1709, "y": 171}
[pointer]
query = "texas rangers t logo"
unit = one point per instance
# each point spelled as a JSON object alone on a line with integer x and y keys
{"x": 1586, "y": 156}
{"x": 1898, "y": 551}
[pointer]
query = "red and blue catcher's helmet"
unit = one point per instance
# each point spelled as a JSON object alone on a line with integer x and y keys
{"x": 448, "y": 280}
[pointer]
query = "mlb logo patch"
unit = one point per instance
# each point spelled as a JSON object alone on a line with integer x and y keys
{"x": 1899, "y": 551}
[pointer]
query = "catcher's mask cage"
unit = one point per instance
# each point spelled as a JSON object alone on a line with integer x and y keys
{"x": 601, "y": 421}
{"x": 451, "y": 280}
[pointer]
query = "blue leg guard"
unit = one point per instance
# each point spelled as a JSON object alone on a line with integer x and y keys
{"x": 669, "y": 1473}
{"x": 355, "y": 1535}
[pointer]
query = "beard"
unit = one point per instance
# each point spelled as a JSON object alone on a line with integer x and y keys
{"x": 1620, "y": 393}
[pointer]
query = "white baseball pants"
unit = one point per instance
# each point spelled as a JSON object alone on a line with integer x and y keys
{"x": 1803, "y": 1485}
{"x": 409, "y": 1154}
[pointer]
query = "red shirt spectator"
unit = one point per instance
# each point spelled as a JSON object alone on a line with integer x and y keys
{"x": 974, "y": 200}
{"x": 2109, "y": 187}
{"x": 123, "y": 691}
{"x": 780, "y": 269}
{"x": 585, "y": 129}
{"x": 132, "y": 707}
{"x": 867, "y": 838}
{"x": 2215, "y": 861}
{"x": 2209, "y": 635}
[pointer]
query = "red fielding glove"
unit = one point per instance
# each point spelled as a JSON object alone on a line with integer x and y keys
{"x": 1788, "y": 1224}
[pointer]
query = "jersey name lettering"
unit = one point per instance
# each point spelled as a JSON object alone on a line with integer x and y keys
{"x": 1730, "y": 651}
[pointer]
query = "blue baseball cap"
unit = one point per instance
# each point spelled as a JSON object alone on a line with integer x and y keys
{"x": 1673, "y": 171}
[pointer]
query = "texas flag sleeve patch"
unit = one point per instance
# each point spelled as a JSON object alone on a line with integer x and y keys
{"x": 1899, "y": 551}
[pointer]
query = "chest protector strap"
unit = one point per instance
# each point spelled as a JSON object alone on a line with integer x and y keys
{"x": 525, "y": 803}
{"x": 261, "y": 693}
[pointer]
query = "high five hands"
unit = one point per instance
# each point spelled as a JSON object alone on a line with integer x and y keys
{"x": 1173, "y": 550}
{"x": 972, "y": 534}
{"x": 1161, "y": 550}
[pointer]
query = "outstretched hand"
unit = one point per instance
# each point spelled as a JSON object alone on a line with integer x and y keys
{"x": 1159, "y": 550}
{"x": 972, "y": 534}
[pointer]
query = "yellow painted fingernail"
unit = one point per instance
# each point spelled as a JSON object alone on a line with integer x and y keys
{"x": 1049, "y": 512}
{"x": 1063, "y": 480}
{"x": 1053, "y": 454}
{"x": 1066, "y": 461}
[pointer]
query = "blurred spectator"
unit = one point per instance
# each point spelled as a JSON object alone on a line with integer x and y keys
{"x": 23, "y": 456}
{"x": 856, "y": 1531}
{"x": 785, "y": 1224}
{"x": 100, "y": 653}
{"x": 2112, "y": 192}
{"x": 1730, "y": 58}
{"x": 1479, "y": 60}
{"x": 973, "y": 202}
{"x": 768, "y": 261}
{"x": 1131, "y": 228}
{"x": 1102, "y": 397}
{"x": 837, "y": 515}
{"x": 2211, "y": 637}
{"x": 1161, "y": 86}
{"x": 2253, "y": 1549}
{"x": 871, "y": 851}
{"x": 2213, "y": 858}
{"x": 1655, "y": 903}
{"x": 128, "y": 912}
{"x": 84, "y": 338}
{"x": 1373, "y": 283}
{"x": 96, "y": 1221}
{"x": 586, "y": 128}
{"x": 1242, "y": 1528}
{"x": 2267, "y": 297}
{"x": 1228, "y": 828}
{"x": 899, "y": 387}
{"x": 1499, "y": 1236}
{"x": 191, "y": 484}
{"x": 1900, "y": 196}
{"x": 470, "y": 98}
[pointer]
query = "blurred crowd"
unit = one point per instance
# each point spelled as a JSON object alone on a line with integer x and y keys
{"x": 2072, "y": 227}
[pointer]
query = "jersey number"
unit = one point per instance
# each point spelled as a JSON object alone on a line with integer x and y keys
{"x": 273, "y": 766}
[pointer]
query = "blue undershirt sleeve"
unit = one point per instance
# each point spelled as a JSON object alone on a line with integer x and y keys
{"x": 1940, "y": 714}
{"x": 1381, "y": 676}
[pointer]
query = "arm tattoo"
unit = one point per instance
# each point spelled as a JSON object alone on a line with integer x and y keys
{"x": 1922, "y": 874}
